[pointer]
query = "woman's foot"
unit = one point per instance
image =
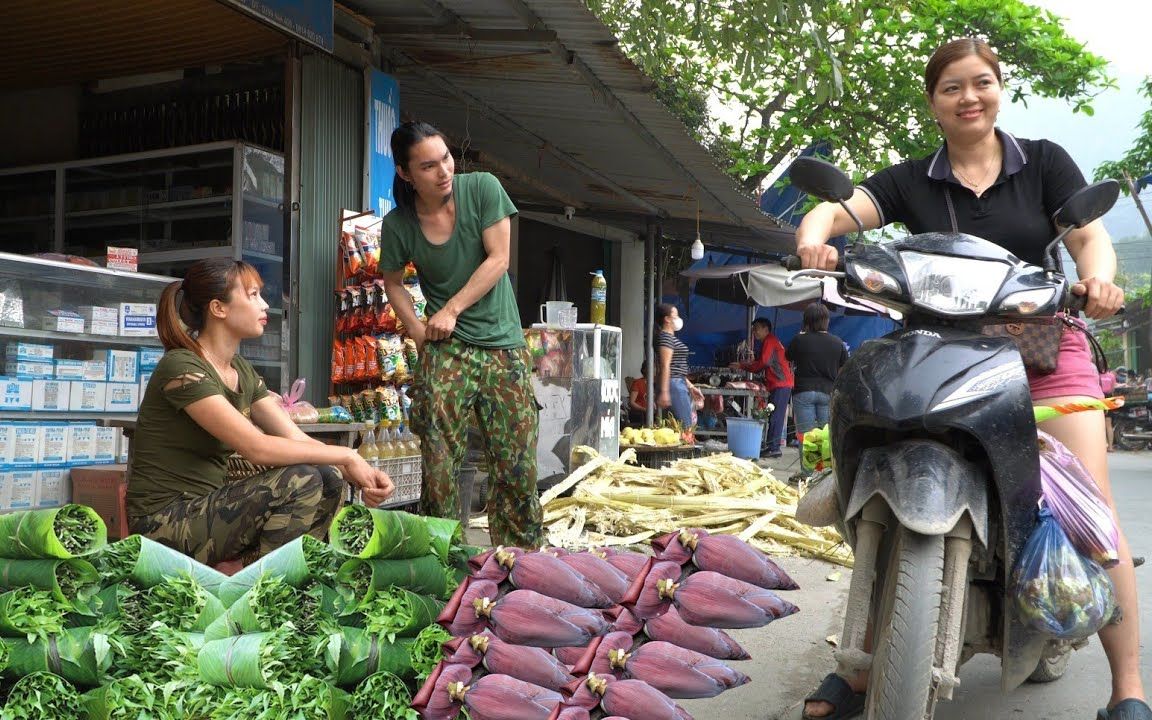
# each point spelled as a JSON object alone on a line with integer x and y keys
{"x": 835, "y": 699}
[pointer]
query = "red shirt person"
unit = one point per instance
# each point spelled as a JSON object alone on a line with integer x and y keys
{"x": 777, "y": 379}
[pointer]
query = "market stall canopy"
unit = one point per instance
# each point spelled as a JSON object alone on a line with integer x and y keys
{"x": 539, "y": 93}
{"x": 766, "y": 285}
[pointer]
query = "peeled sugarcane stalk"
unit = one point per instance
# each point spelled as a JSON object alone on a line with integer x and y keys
{"x": 522, "y": 617}
{"x": 725, "y": 554}
{"x": 530, "y": 664}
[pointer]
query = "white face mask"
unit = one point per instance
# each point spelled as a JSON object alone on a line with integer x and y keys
{"x": 677, "y": 324}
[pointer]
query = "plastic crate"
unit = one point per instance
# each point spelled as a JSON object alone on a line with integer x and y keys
{"x": 662, "y": 456}
{"x": 407, "y": 476}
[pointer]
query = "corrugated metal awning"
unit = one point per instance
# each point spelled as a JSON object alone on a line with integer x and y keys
{"x": 46, "y": 43}
{"x": 538, "y": 92}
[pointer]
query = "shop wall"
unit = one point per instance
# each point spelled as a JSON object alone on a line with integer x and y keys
{"x": 632, "y": 312}
{"x": 580, "y": 255}
{"x": 331, "y": 173}
{"x": 39, "y": 126}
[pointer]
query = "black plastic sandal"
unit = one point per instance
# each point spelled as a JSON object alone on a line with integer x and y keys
{"x": 1130, "y": 709}
{"x": 846, "y": 702}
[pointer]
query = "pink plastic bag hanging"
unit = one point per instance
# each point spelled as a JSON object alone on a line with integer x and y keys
{"x": 1076, "y": 503}
{"x": 301, "y": 411}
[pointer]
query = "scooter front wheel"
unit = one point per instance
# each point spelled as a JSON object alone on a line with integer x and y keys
{"x": 900, "y": 686}
{"x": 1129, "y": 444}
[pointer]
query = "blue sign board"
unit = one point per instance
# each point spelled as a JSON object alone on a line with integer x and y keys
{"x": 309, "y": 20}
{"x": 383, "y": 117}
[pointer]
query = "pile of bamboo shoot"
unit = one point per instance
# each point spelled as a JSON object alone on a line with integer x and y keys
{"x": 617, "y": 503}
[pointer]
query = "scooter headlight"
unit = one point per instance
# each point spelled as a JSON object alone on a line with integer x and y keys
{"x": 952, "y": 285}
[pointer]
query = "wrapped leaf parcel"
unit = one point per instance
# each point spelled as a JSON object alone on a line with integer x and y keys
{"x": 64, "y": 532}
{"x": 426, "y": 575}
{"x": 43, "y": 695}
{"x": 373, "y": 533}
{"x": 258, "y": 660}
{"x": 300, "y": 561}
{"x": 73, "y": 580}
{"x": 353, "y": 654}
{"x": 271, "y": 603}
{"x": 81, "y": 656}
{"x": 146, "y": 563}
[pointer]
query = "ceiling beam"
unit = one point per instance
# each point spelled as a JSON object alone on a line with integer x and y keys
{"x": 488, "y": 160}
{"x": 463, "y": 30}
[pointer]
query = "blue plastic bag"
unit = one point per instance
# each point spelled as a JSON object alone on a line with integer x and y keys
{"x": 1058, "y": 591}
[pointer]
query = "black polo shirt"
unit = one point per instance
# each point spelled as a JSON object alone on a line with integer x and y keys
{"x": 1036, "y": 178}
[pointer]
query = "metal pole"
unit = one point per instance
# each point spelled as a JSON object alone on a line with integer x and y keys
{"x": 1139, "y": 203}
{"x": 650, "y": 319}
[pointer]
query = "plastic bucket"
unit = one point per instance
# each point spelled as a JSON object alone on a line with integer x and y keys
{"x": 744, "y": 435}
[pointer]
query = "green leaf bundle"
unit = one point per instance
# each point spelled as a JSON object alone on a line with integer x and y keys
{"x": 79, "y": 655}
{"x": 361, "y": 579}
{"x": 123, "y": 604}
{"x": 146, "y": 563}
{"x": 161, "y": 655}
{"x": 43, "y": 695}
{"x": 443, "y": 535}
{"x": 297, "y": 562}
{"x": 129, "y": 698}
{"x": 428, "y": 650}
{"x": 181, "y": 604}
{"x": 383, "y": 695}
{"x": 258, "y": 660}
{"x": 271, "y": 603}
{"x": 64, "y": 532}
{"x": 31, "y": 613}
{"x": 352, "y": 654}
{"x": 399, "y": 613}
{"x": 309, "y": 699}
{"x": 373, "y": 533}
{"x": 73, "y": 580}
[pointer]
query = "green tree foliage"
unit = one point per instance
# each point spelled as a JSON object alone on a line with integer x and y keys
{"x": 1137, "y": 162}
{"x": 845, "y": 71}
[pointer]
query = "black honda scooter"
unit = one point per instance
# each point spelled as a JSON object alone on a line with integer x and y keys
{"x": 935, "y": 448}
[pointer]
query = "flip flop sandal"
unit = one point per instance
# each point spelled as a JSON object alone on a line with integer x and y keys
{"x": 847, "y": 703}
{"x": 1130, "y": 709}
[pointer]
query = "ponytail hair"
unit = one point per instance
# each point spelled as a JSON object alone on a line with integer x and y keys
{"x": 403, "y": 138}
{"x": 183, "y": 308}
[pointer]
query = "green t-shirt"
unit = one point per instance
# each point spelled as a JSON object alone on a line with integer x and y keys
{"x": 172, "y": 456}
{"x": 494, "y": 320}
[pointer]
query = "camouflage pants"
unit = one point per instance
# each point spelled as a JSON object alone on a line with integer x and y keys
{"x": 249, "y": 518}
{"x": 455, "y": 380}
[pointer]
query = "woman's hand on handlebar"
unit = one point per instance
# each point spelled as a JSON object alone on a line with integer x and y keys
{"x": 818, "y": 257}
{"x": 1103, "y": 297}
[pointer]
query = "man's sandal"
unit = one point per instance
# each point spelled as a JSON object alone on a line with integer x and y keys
{"x": 1130, "y": 709}
{"x": 845, "y": 702}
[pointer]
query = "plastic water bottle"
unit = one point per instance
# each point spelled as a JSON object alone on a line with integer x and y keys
{"x": 599, "y": 297}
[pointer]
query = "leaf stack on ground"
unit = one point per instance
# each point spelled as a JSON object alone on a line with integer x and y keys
{"x": 618, "y": 503}
{"x": 536, "y": 636}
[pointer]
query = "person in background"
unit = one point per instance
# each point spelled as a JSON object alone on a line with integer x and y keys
{"x": 777, "y": 379}
{"x": 638, "y": 398}
{"x": 204, "y": 401}
{"x": 473, "y": 358}
{"x": 671, "y": 364}
{"x": 817, "y": 357}
{"x": 988, "y": 183}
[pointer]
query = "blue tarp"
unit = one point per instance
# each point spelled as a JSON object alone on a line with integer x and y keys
{"x": 1144, "y": 182}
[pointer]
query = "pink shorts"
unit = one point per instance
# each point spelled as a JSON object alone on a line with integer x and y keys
{"x": 1075, "y": 375}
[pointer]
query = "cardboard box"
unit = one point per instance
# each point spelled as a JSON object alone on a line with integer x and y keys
{"x": 30, "y": 368}
{"x": 81, "y": 444}
{"x": 26, "y": 444}
{"x": 28, "y": 351}
{"x": 69, "y": 369}
{"x": 122, "y": 397}
{"x": 150, "y": 358}
{"x": 86, "y": 396}
{"x": 100, "y": 313}
{"x": 63, "y": 321}
{"x": 23, "y": 489}
{"x": 107, "y": 445}
{"x": 123, "y": 444}
{"x": 138, "y": 319}
{"x": 52, "y": 487}
{"x": 53, "y": 444}
{"x": 145, "y": 378}
{"x": 123, "y": 365}
{"x": 51, "y": 395}
{"x": 104, "y": 489}
{"x": 5, "y": 487}
{"x": 122, "y": 258}
{"x": 7, "y": 444}
{"x": 101, "y": 327}
{"x": 15, "y": 394}
{"x": 95, "y": 370}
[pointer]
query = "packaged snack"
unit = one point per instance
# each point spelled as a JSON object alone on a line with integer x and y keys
{"x": 411, "y": 354}
{"x": 338, "y": 375}
{"x": 353, "y": 260}
{"x": 371, "y": 360}
{"x": 349, "y": 361}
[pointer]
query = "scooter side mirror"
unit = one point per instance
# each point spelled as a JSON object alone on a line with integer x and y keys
{"x": 1087, "y": 204}
{"x": 821, "y": 179}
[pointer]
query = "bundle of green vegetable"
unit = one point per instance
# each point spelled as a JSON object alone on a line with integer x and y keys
{"x": 443, "y": 535}
{"x": 352, "y": 654}
{"x": 383, "y": 695}
{"x": 64, "y": 532}
{"x": 29, "y": 613}
{"x": 146, "y": 563}
{"x": 271, "y": 603}
{"x": 43, "y": 695}
{"x": 426, "y": 575}
{"x": 397, "y": 612}
{"x": 178, "y": 602}
{"x": 260, "y": 659}
{"x": 161, "y": 655}
{"x": 124, "y": 606}
{"x": 129, "y": 698}
{"x": 309, "y": 699}
{"x": 80, "y": 655}
{"x": 428, "y": 650}
{"x": 73, "y": 581}
{"x": 300, "y": 561}
{"x": 373, "y": 533}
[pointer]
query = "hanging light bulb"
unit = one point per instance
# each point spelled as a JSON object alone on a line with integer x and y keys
{"x": 697, "y": 244}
